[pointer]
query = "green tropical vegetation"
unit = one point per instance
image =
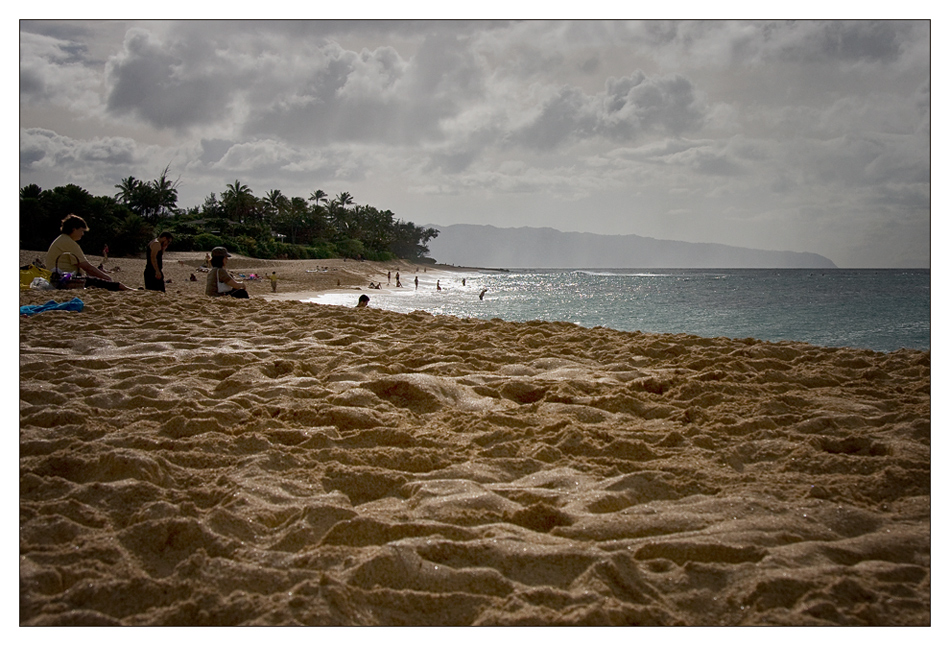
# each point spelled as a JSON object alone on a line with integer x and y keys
{"x": 273, "y": 226}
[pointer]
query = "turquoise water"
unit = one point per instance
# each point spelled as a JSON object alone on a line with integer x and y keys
{"x": 881, "y": 310}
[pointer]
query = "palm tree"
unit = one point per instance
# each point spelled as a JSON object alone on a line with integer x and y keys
{"x": 377, "y": 228}
{"x": 340, "y": 217}
{"x": 275, "y": 202}
{"x": 30, "y": 191}
{"x": 275, "y": 206}
{"x": 344, "y": 199}
{"x": 164, "y": 194}
{"x": 238, "y": 201}
{"x": 128, "y": 190}
{"x": 297, "y": 217}
{"x": 318, "y": 196}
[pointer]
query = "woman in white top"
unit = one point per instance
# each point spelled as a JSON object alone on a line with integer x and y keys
{"x": 220, "y": 282}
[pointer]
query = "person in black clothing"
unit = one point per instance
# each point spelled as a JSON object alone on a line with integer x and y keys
{"x": 154, "y": 278}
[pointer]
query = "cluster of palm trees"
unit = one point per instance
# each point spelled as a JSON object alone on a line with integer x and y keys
{"x": 338, "y": 225}
{"x": 150, "y": 200}
{"x": 274, "y": 226}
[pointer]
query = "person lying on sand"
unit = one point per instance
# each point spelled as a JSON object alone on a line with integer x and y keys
{"x": 66, "y": 256}
{"x": 220, "y": 282}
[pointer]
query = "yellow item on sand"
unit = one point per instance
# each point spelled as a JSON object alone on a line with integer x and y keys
{"x": 27, "y": 275}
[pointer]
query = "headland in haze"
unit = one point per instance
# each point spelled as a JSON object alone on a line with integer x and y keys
{"x": 488, "y": 246}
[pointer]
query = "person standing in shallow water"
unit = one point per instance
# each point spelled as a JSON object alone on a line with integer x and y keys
{"x": 364, "y": 301}
{"x": 154, "y": 275}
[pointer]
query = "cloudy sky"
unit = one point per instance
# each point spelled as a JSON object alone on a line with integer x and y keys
{"x": 803, "y": 136}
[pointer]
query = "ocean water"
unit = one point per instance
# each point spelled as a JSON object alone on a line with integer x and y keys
{"x": 882, "y": 310}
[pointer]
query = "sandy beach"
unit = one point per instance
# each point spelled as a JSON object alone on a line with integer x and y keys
{"x": 186, "y": 460}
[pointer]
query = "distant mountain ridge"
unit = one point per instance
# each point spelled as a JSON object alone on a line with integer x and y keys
{"x": 481, "y": 245}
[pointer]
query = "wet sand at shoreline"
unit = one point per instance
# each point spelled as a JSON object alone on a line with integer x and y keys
{"x": 195, "y": 461}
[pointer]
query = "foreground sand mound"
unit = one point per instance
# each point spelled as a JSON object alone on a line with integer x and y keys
{"x": 195, "y": 461}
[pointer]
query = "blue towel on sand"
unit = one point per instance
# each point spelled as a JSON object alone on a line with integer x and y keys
{"x": 74, "y": 305}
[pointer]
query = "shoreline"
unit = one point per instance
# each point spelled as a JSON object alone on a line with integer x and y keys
{"x": 295, "y": 277}
{"x": 335, "y": 281}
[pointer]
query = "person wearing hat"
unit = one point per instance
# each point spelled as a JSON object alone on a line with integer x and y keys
{"x": 220, "y": 282}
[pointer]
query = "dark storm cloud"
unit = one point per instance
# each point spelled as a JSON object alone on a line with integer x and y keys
{"x": 346, "y": 96}
{"x": 638, "y": 103}
{"x": 569, "y": 115}
{"x": 212, "y": 150}
{"x": 878, "y": 40}
{"x": 826, "y": 42}
{"x": 628, "y": 108}
{"x": 372, "y": 95}
{"x": 163, "y": 83}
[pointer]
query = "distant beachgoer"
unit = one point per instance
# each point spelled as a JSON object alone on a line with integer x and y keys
{"x": 207, "y": 262}
{"x": 463, "y": 282}
{"x": 481, "y": 296}
{"x": 438, "y": 287}
{"x": 105, "y": 254}
{"x": 417, "y": 282}
{"x": 154, "y": 274}
{"x": 364, "y": 301}
{"x": 389, "y": 276}
{"x": 65, "y": 256}
{"x": 220, "y": 282}
{"x": 273, "y": 281}
{"x": 193, "y": 278}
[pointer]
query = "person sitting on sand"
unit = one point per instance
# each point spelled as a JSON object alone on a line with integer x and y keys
{"x": 154, "y": 275}
{"x": 364, "y": 301}
{"x": 65, "y": 256}
{"x": 220, "y": 282}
